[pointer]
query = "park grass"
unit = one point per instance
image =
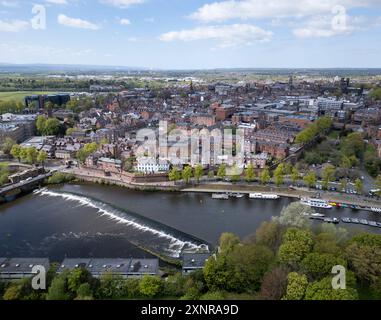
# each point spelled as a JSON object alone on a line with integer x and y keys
{"x": 18, "y": 96}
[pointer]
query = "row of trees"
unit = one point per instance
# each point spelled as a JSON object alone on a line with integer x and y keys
{"x": 279, "y": 175}
{"x": 320, "y": 126}
{"x": 29, "y": 155}
{"x": 283, "y": 259}
{"x": 11, "y": 106}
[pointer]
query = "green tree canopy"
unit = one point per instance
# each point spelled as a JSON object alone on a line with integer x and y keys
{"x": 150, "y": 286}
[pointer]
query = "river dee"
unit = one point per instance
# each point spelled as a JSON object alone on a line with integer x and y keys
{"x": 103, "y": 221}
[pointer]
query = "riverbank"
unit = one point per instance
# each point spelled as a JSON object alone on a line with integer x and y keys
{"x": 284, "y": 192}
{"x": 355, "y": 200}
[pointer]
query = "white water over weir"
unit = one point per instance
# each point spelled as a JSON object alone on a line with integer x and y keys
{"x": 176, "y": 245}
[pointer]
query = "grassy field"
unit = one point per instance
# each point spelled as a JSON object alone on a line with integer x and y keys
{"x": 18, "y": 96}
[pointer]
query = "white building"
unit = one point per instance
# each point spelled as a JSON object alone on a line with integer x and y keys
{"x": 151, "y": 165}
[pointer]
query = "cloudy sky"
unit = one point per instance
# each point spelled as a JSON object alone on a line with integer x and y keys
{"x": 187, "y": 34}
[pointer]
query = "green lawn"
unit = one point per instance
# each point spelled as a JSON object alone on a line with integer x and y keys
{"x": 19, "y": 96}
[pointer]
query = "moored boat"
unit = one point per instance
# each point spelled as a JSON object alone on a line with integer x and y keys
{"x": 220, "y": 196}
{"x": 316, "y": 203}
{"x": 236, "y": 195}
{"x": 263, "y": 196}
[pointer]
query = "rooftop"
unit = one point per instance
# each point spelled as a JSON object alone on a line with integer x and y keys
{"x": 21, "y": 265}
{"x": 194, "y": 260}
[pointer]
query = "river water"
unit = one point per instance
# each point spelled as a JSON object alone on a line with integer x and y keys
{"x": 105, "y": 221}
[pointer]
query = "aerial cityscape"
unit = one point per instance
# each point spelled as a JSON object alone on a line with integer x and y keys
{"x": 226, "y": 150}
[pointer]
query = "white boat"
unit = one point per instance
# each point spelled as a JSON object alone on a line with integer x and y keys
{"x": 317, "y": 215}
{"x": 263, "y": 196}
{"x": 236, "y": 195}
{"x": 375, "y": 210}
{"x": 316, "y": 203}
{"x": 220, "y": 196}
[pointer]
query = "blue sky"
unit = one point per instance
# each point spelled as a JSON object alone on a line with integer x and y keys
{"x": 188, "y": 34}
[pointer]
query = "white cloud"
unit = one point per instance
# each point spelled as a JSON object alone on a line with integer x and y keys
{"x": 76, "y": 23}
{"x": 125, "y": 22}
{"x": 56, "y": 1}
{"x": 122, "y": 3}
{"x": 13, "y": 26}
{"x": 9, "y": 4}
{"x": 325, "y": 27}
{"x": 247, "y": 9}
{"x": 226, "y": 35}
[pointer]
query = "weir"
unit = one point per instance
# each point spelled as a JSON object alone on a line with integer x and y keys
{"x": 176, "y": 238}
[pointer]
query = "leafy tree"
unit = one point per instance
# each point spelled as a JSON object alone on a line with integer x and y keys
{"x": 279, "y": 174}
{"x": 131, "y": 288}
{"x": 320, "y": 264}
{"x": 265, "y": 176}
{"x": 16, "y": 152}
{"x": 353, "y": 145}
{"x": 295, "y": 247}
{"x": 322, "y": 290}
{"x": 378, "y": 184}
{"x": 77, "y": 277}
{"x": 150, "y": 286}
{"x": 31, "y": 155}
{"x": 221, "y": 173}
{"x": 320, "y": 126}
{"x": 328, "y": 174}
{"x": 4, "y": 174}
{"x": 296, "y": 286}
{"x": 376, "y": 289}
{"x": 249, "y": 173}
{"x": 239, "y": 270}
{"x": 364, "y": 256}
{"x": 84, "y": 292}
{"x": 174, "y": 286}
{"x": 8, "y": 145}
{"x": 41, "y": 157}
{"x": 340, "y": 235}
{"x": 110, "y": 286}
{"x": 86, "y": 151}
{"x": 269, "y": 234}
{"x": 228, "y": 241}
{"x": 174, "y": 174}
{"x": 41, "y": 124}
{"x": 236, "y": 176}
{"x": 376, "y": 94}
{"x": 293, "y": 216}
{"x": 294, "y": 175}
{"x": 59, "y": 289}
{"x": 310, "y": 179}
{"x": 326, "y": 243}
{"x": 359, "y": 186}
{"x": 346, "y": 162}
{"x": 187, "y": 174}
{"x": 274, "y": 284}
{"x": 198, "y": 172}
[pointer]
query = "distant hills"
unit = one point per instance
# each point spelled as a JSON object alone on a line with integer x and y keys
{"x": 99, "y": 69}
{"x": 63, "y": 68}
